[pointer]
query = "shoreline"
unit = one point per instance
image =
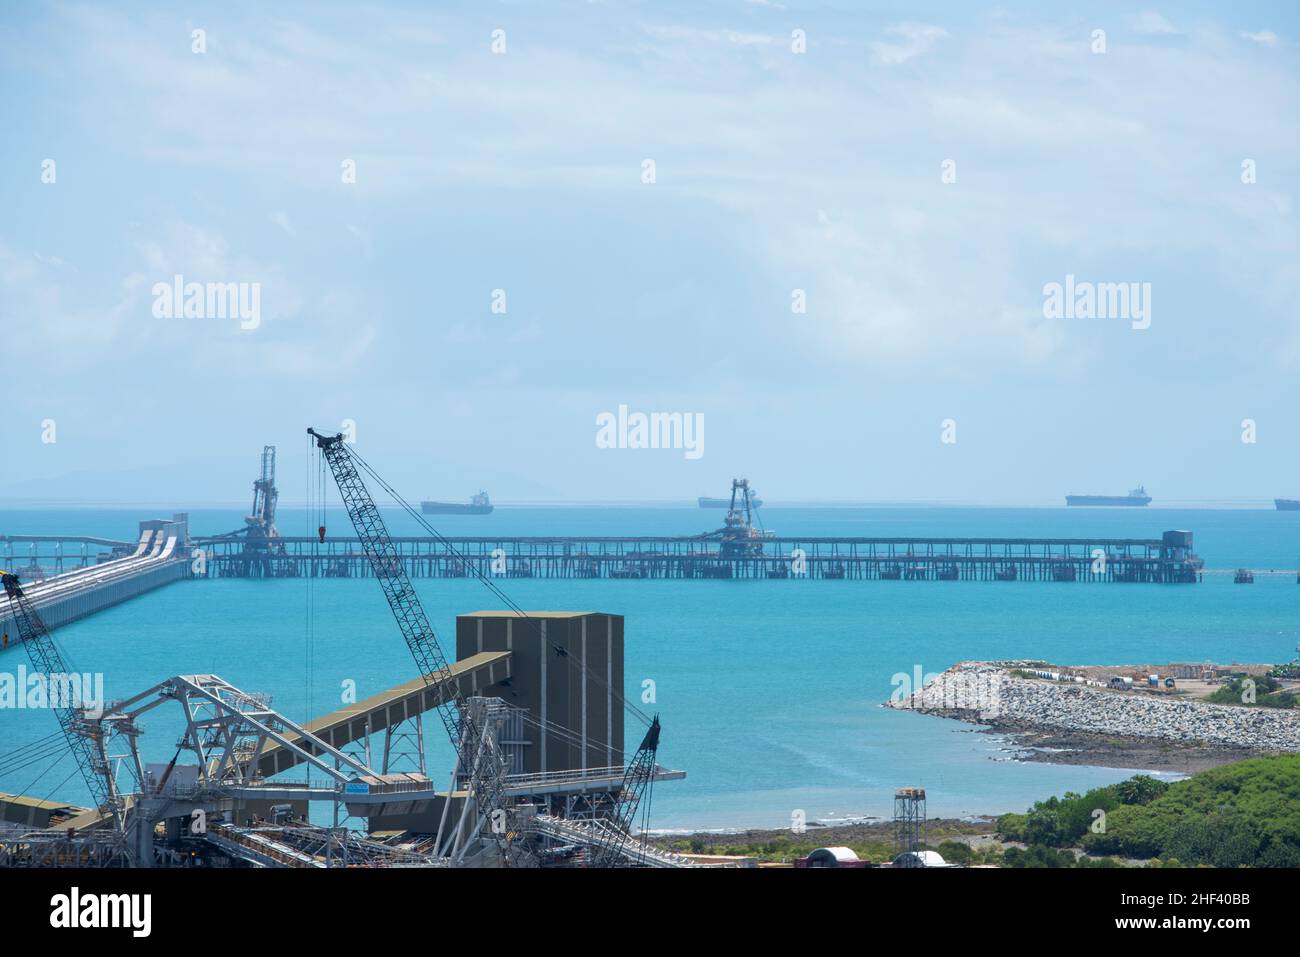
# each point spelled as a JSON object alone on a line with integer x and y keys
{"x": 812, "y": 827}
{"x": 876, "y": 840}
{"x": 1044, "y": 745}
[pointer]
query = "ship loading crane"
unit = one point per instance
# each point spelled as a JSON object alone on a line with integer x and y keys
{"x": 739, "y": 539}
{"x": 84, "y": 737}
{"x": 479, "y": 759}
{"x": 262, "y": 553}
{"x": 265, "y": 494}
{"x": 262, "y": 544}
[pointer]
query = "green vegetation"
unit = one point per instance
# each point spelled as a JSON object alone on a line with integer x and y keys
{"x": 1241, "y": 814}
{"x": 1246, "y": 813}
{"x": 1040, "y": 855}
{"x": 961, "y": 853}
{"x": 1062, "y": 822}
{"x": 1267, "y": 693}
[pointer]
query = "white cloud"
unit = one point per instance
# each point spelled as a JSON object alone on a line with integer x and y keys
{"x": 281, "y": 219}
{"x": 1265, "y": 38}
{"x": 363, "y": 237}
{"x": 716, "y": 36}
{"x": 1150, "y": 23}
{"x": 1054, "y": 154}
{"x": 48, "y": 310}
{"x": 916, "y": 39}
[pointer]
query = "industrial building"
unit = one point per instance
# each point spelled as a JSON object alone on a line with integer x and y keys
{"x": 574, "y": 667}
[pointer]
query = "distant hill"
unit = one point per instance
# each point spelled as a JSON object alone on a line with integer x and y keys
{"x": 228, "y": 480}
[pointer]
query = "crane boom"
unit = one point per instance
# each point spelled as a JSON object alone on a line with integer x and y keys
{"x": 635, "y": 779}
{"x": 85, "y": 738}
{"x": 485, "y": 772}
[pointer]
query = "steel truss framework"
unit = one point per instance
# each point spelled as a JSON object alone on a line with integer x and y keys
{"x": 566, "y": 817}
{"x": 909, "y": 824}
{"x": 226, "y": 730}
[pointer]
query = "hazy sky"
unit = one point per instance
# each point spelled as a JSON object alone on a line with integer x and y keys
{"x": 774, "y": 171}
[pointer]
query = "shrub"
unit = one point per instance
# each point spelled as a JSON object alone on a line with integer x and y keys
{"x": 956, "y": 852}
{"x": 1245, "y": 813}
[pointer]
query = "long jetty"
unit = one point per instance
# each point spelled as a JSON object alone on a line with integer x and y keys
{"x": 1169, "y": 559}
{"x": 123, "y": 572}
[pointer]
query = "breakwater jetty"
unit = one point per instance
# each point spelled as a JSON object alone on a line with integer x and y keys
{"x": 989, "y": 693}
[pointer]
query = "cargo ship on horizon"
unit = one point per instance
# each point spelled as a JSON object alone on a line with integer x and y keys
{"x": 1287, "y": 504}
{"x": 1137, "y": 497}
{"x": 479, "y": 504}
{"x": 706, "y": 502}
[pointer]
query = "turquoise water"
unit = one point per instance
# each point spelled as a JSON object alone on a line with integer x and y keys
{"x": 768, "y": 690}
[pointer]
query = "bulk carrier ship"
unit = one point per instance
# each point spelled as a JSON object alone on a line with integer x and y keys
{"x": 707, "y": 502}
{"x": 1136, "y": 497}
{"x": 479, "y": 504}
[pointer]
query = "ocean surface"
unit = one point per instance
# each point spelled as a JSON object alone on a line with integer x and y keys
{"x": 768, "y": 691}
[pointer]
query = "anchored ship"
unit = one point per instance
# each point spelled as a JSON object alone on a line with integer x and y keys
{"x": 1137, "y": 496}
{"x": 706, "y": 502}
{"x": 1287, "y": 504}
{"x": 479, "y": 504}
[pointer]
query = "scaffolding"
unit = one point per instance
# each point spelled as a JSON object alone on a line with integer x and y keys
{"x": 909, "y": 825}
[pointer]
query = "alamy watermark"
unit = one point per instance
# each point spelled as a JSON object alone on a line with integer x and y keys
{"x": 133, "y": 912}
{"x": 23, "y": 689}
{"x": 653, "y": 430}
{"x": 179, "y": 299}
{"x": 966, "y": 690}
{"x": 1098, "y": 300}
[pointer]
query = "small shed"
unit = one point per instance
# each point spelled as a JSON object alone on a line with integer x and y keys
{"x": 920, "y": 859}
{"x": 831, "y": 857}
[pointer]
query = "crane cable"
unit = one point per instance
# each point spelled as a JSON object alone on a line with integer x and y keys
{"x": 57, "y": 761}
{"x": 646, "y": 802}
{"x": 309, "y": 594}
{"x": 31, "y": 744}
{"x": 568, "y": 735}
{"x": 320, "y": 504}
{"x": 33, "y": 757}
{"x": 28, "y": 754}
{"x": 59, "y": 787}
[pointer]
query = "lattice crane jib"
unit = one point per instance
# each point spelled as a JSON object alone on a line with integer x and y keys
{"x": 85, "y": 738}
{"x": 480, "y": 761}
{"x": 639, "y": 774}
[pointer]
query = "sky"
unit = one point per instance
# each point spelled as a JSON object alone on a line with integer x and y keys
{"x": 387, "y": 176}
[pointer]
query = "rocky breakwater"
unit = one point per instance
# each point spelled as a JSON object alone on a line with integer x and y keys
{"x": 986, "y": 693}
